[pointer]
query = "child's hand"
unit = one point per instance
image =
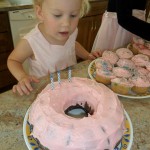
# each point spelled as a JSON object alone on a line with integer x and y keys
{"x": 24, "y": 85}
{"x": 94, "y": 55}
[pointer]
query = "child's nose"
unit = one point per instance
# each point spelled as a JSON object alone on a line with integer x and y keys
{"x": 66, "y": 21}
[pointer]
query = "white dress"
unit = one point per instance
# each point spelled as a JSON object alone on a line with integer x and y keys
{"x": 49, "y": 58}
{"x": 111, "y": 35}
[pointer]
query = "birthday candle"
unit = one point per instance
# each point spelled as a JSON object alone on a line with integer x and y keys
{"x": 69, "y": 74}
{"x": 52, "y": 81}
{"x": 58, "y": 76}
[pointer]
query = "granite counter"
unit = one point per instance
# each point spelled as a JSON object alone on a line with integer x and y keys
{"x": 13, "y": 109}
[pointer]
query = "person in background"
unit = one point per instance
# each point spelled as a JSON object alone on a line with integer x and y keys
{"x": 123, "y": 20}
{"x": 51, "y": 45}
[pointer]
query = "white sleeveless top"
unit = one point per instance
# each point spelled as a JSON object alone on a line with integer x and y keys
{"x": 50, "y": 58}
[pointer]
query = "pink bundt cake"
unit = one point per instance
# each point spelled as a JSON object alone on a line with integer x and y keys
{"x": 54, "y": 129}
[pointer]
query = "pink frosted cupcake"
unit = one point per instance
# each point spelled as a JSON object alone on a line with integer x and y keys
{"x": 148, "y": 66}
{"x": 140, "y": 46}
{"x": 140, "y": 60}
{"x": 138, "y": 40}
{"x": 110, "y": 56}
{"x": 140, "y": 71}
{"x": 126, "y": 63}
{"x": 145, "y": 51}
{"x": 141, "y": 84}
{"x": 121, "y": 72}
{"x": 147, "y": 44}
{"x": 103, "y": 64}
{"x": 136, "y": 48}
{"x": 104, "y": 76}
{"x": 148, "y": 76}
{"x": 121, "y": 86}
{"x": 124, "y": 53}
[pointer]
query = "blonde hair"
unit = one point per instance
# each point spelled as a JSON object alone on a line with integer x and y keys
{"x": 85, "y": 6}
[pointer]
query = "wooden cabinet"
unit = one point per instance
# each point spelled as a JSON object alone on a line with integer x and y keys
{"x": 89, "y": 25}
{"x": 6, "y": 46}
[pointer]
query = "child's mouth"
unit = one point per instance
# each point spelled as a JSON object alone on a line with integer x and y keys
{"x": 64, "y": 33}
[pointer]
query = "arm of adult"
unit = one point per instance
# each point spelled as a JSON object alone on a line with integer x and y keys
{"x": 129, "y": 22}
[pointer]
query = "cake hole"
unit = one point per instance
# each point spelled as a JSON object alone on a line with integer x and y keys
{"x": 79, "y": 111}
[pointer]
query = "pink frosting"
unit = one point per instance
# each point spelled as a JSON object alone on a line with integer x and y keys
{"x": 147, "y": 45}
{"x": 126, "y": 63}
{"x": 138, "y": 40}
{"x": 124, "y": 53}
{"x": 145, "y": 51}
{"x": 122, "y": 72}
{"x": 141, "y": 71}
{"x": 103, "y": 64}
{"x": 140, "y": 81}
{"x": 105, "y": 73}
{"x": 58, "y": 131}
{"x": 138, "y": 46}
{"x": 122, "y": 81}
{"x": 140, "y": 59}
{"x": 142, "y": 46}
{"x": 110, "y": 56}
{"x": 148, "y": 76}
{"x": 148, "y": 66}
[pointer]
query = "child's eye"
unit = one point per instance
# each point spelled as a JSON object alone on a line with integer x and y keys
{"x": 57, "y": 16}
{"x": 73, "y": 16}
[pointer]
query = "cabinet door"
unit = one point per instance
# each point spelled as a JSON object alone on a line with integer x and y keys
{"x": 84, "y": 31}
{"x": 4, "y": 22}
{"x": 87, "y": 30}
{"x": 5, "y": 42}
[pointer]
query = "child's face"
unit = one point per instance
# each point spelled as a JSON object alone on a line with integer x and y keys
{"x": 60, "y": 18}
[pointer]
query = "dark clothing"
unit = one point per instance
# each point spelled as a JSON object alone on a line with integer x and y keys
{"x": 124, "y": 8}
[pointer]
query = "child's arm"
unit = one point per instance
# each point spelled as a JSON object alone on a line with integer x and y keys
{"x": 14, "y": 62}
{"x": 82, "y": 53}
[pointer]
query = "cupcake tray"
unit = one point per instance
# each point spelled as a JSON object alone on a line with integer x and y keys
{"x": 132, "y": 95}
{"x": 32, "y": 144}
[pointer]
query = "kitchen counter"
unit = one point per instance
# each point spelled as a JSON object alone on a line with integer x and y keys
{"x": 13, "y": 108}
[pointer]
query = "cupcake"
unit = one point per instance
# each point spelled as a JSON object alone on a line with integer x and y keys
{"x": 147, "y": 44}
{"x": 138, "y": 40}
{"x": 103, "y": 64}
{"x": 124, "y": 53}
{"x": 141, "y": 71}
{"x": 145, "y": 51}
{"x": 126, "y": 63}
{"x": 148, "y": 76}
{"x": 104, "y": 76}
{"x": 140, "y": 46}
{"x": 140, "y": 60}
{"x": 121, "y": 72}
{"x": 141, "y": 84}
{"x": 121, "y": 86}
{"x": 147, "y": 66}
{"x": 110, "y": 56}
{"x": 135, "y": 48}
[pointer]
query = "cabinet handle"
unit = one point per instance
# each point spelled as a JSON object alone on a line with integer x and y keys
{"x": 92, "y": 26}
{"x": 95, "y": 25}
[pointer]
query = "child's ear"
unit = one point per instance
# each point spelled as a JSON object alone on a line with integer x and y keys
{"x": 39, "y": 12}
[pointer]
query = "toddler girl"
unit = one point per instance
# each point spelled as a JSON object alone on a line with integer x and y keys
{"x": 51, "y": 45}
